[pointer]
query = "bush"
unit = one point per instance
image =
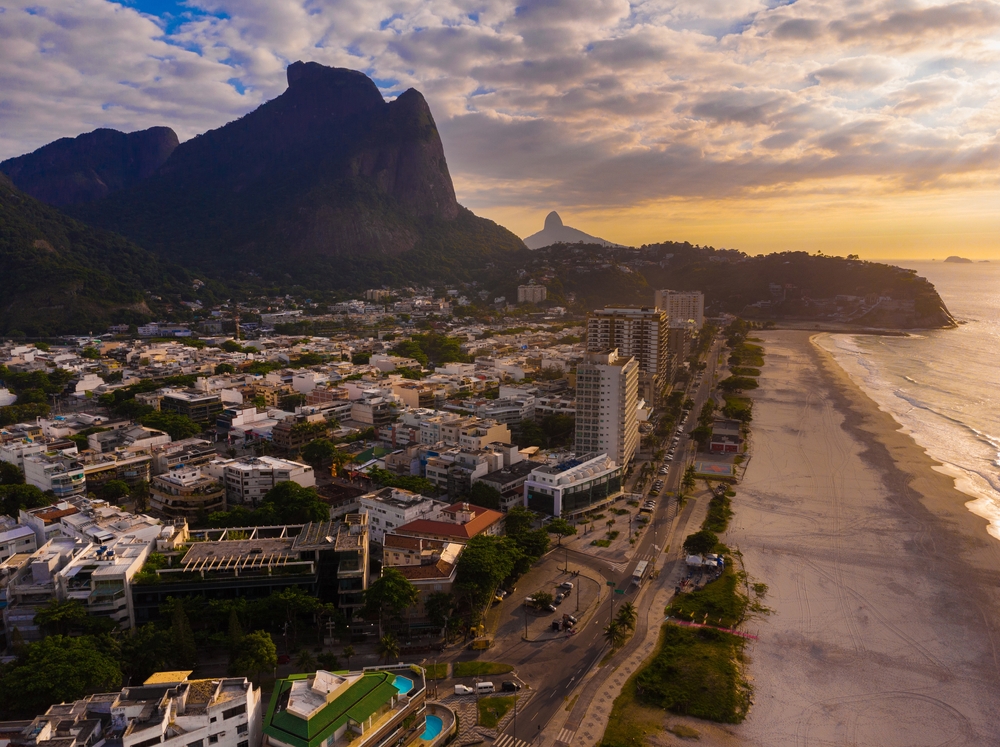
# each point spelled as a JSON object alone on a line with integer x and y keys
{"x": 700, "y": 543}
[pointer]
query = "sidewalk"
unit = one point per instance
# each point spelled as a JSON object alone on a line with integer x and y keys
{"x": 584, "y": 726}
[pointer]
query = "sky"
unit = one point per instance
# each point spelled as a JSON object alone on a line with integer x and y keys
{"x": 868, "y": 127}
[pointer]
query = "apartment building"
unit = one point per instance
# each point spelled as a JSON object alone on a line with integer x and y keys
{"x": 186, "y": 492}
{"x": 167, "y": 709}
{"x": 390, "y": 508}
{"x": 682, "y": 306}
{"x": 531, "y": 293}
{"x": 248, "y": 479}
{"x": 15, "y": 538}
{"x": 639, "y": 332}
{"x": 191, "y": 452}
{"x": 202, "y": 407}
{"x": 607, "y": 406}
{"x": 55, "y": 471}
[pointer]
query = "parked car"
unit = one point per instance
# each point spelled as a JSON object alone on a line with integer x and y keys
{"x": 551, "y": 608}
{"x": 556, "y": 625}
{"x": 463, "y": 690}
{"x": 509, "y": 686}
{"x": 571, "y": 618}
{"x": 567, "y": 585}
{"x": 284, "y": 659}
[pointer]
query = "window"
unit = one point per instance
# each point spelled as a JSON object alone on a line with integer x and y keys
{"x": 232, "y": 712}
{"x": 213, "y": 738}
{"x": 244, "y": 743}
{"x": 196, "y": 743}
{"x": 212, "y": 720}
{"x": 242, "y": 729}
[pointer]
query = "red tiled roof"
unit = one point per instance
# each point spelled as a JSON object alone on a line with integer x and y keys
{"x": 484, "y": 518}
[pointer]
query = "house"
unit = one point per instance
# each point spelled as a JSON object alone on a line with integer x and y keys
{"x": 459, "y": 522}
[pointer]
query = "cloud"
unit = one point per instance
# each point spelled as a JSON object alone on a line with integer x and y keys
{"x": 583, "y": 103}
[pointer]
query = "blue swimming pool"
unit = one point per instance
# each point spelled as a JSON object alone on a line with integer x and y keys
{"x": 403, "y": 684}
{"x": 432, "y": 727}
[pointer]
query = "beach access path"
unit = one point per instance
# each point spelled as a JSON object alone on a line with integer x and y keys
{"x": 885, "y": 589}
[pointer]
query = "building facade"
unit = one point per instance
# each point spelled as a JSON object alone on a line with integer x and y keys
{"x": 607, "y": 387}
{"x": 574, "y": 487}
{"x": 682, "y": 306}
{"x": 248, "y": 479}
{"x": 639, "y": 332}
{"x": 531, "y": 293}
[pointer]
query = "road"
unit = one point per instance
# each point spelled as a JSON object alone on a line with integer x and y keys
{"x": 554, "y": 668}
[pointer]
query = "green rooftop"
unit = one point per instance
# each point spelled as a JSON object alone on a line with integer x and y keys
{"x": 359, "y": 702}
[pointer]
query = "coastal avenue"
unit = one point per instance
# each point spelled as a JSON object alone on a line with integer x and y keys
{"x": 556, "y": 667}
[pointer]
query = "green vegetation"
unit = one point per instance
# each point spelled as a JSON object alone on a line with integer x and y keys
{"x": 697, "y": 672}
{"x": 14, "y": 497}
{"x": 720, "y": 602}
{"x": 387, "y": 479}
{"x": 601, "y": 543}
{"x": 432, "y": 349}
{"x": 479, "y": 668}
{"x": 738, "y": 408}
{"x": 485, "y": 495}
{"x": 492, "y": 710}
{"x": 737, "y": 383}
{"x": 745, "y": 354}
{"x": 388, "y": 596}
{"x": 744, "y": 371}
{"x": 285, "y": 503}
{"x": 700, "y": 543}
{"x": 719, "y": 514}
{"x": 437, "y": 671}
{"x": 551, "y": 432}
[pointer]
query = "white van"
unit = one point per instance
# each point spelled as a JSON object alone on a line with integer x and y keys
{"x": 485, "y": 687}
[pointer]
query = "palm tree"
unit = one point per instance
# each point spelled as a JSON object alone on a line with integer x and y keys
{"x": 615, "y": 635}
{"x": 388, "y": 647}
{"x": 348, "y": 653}
{"x": 627, "y": 616}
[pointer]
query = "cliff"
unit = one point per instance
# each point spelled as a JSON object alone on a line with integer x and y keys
{"x": 313, "y": 187}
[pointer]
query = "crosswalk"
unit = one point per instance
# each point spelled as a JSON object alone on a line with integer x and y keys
{"x": 566, "y": 736}
{"x": 618, "y": 567}
{"x": 506, "y": 740}
{"x": 648, "y": 556}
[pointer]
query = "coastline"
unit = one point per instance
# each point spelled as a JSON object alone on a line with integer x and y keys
{"x": 883, "y": 584}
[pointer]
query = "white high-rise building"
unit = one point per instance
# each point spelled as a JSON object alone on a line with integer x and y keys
{"x": 682, "y": 306}
{"x": 607, "y": 394}
{"x": 531, "y": 293}
{"x": 639, "y": 332}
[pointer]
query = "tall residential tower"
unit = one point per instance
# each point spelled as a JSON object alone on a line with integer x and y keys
{"x": 639, "y": 332}
{"x": 682, "y": 306}
{"x": 606, "y": 406}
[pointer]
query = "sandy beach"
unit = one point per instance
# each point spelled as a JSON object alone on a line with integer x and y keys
{"x": 883, "y": 586}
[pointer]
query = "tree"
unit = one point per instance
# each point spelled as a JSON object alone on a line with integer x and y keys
{"x": 440, "y": 606}
{"x": 390, "y": 595}
{"x": 348, "y": 653}
{"x": 143, "y": 651}
{"x": 529, "y": 433}
{"x": 182, "y": 637}
{"x": 61, "y": 617}
{"x": 615, "y": 635}
{"x": 688, "y": 481}
{"x": 700, "y": 543}
{"x": 484, "y": 564}
{"x": 235, "y": 632}
{"x": 290, "y": 503}
{"x": 90, "y": 354}
{"x": 57, "y": 669}
{"x": 255, "y": 654}
{"x": 225, "y": 368}
{"x": 15, "y": 497}
{"x": 114, "y": 490}
{"x": 320, "y": 452}
{"x": 543, "y": 599}
{"x": 305, "y": 661}
{"x": 485, "y": 495}
{"x": 10, "y": 474}
{"x": 627, "y": 616}
{"x": 178, "y": 427}
{"x": 140, "y": 496}
{"x": 561, "y": 528}
{"x": 328, "y": 661}
{"x": 518, "y": 521}
{"x": 388, "y": 647}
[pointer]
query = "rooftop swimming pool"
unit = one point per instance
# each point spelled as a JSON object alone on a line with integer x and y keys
{"x": 403, "y": 684}
{"x": 432, "y": 727}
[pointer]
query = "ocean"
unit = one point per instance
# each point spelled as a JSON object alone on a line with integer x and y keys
{"x": 943, "y": 386}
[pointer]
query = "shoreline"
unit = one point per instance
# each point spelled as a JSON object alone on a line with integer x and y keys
{"x": 884, "y": 587}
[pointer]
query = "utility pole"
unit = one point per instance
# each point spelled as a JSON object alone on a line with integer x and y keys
{"x": 525, "y": 622}
{"x": 578, "y": 594}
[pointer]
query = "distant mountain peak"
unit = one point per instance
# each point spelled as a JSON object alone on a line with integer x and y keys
{"x": 555, "y": 232}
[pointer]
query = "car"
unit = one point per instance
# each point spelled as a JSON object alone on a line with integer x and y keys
{"x": 568, "y": 624}
{"x": 551, "y": 607}
{"x": 571, "y": 618}
{"x": 509, "y": 686}
{"x": 568, "y": 585}
{"x": 663, "y": 470}
{"x": 502, "y": 594}
{"x": 284, "y": 659}
{"x": 557, "y": 625}
{"x": 463, "y": 690}
{"x": 559, "y": 597}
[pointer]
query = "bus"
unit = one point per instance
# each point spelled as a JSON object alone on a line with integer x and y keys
{"x": 640, "y": 572}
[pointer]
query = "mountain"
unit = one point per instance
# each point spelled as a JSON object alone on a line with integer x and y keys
{"x": 90, "y": 166}
{"x": 327, "y": 185}
{"x": 61, "y": 276}
{"x": 556, "y": 233}
{"x": 959, "y": 260}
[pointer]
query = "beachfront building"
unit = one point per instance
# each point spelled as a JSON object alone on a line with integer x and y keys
{"x": 361, "y": 709}
{"x": 607, "y": 406}
{"x": 574, "y": 487}
{"x": 168, "y": 709}
{"x": 682, "y": 306}
{"x": 639, "y": 332}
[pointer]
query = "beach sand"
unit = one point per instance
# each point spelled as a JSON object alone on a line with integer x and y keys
{"x": 883, "y": 586}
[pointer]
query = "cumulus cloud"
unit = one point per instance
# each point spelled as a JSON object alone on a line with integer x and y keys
{"x": 581, "y": 103}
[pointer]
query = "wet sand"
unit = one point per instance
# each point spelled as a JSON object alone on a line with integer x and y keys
{"x": 885, "y": 589}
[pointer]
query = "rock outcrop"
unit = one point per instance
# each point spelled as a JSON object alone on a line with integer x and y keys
{"x": 555, "y": 232}
{"x": 91, "y": 166}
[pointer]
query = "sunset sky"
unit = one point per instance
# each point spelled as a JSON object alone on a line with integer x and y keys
{"x": 847, "y": 126}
